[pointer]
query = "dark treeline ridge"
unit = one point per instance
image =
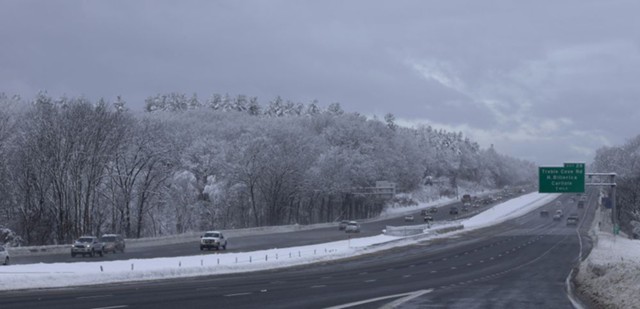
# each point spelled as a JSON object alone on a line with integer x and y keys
{"x": 72, "y": 167}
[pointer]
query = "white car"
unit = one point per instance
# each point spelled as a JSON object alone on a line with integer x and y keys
{"x": 213, "y": 240}
{"x": 352, "y": 227}
{"x": 408, "y": 218}
{"x": 4, "y": 255}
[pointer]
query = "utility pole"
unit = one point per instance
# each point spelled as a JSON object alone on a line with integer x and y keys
{"x": 611, "y": 178}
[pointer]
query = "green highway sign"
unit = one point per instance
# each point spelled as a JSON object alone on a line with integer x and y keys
{"x": 566, "y": 179}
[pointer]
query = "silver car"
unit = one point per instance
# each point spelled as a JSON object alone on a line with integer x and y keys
{"x": 352, "y": 227}
{"x": 87, "y": 245}
{"x": 113, "y": 243}
{"x": 4, "y": 255}
{"x": 343, "y": 224}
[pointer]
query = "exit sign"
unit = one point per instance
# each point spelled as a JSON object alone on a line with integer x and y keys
{"x": 565, "y": 179}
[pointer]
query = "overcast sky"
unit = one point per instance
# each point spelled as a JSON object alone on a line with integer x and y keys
{"x": 548, "y": 81}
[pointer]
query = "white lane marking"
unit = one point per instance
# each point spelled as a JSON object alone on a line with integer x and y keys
{"x": 469, "y": 264}
{"x": 405, "y": 297}
{"x": 238, "y": 294}
{"x": 94, "y": 296}
{"x": 406, "y": 276}
{"x": 318, "y": 286}
{"x": 434, "y": 271}
{"x": 363, "y": 273}
{"x": 327, "y": 277}
{"x": 207, "y": 288}
{"x": 453, "y": 267}
{"x": 412, "y": 266}
{"x": 371, "y": 280}
{"x": 112, "y": 307}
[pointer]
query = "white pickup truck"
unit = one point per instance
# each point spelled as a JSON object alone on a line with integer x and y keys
{"x": 213, "y": 240}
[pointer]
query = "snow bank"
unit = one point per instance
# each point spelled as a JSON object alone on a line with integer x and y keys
{"x": 610, "y": 276}
{"x": 509, "y": 210}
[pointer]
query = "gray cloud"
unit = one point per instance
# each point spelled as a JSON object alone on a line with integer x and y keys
{"x": 548, "y": 81}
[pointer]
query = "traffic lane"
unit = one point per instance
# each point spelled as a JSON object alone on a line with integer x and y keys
{"x": 235, "y": 244}
{"x": 309, "y": 287}
{"x": 374, "y": 275}
{"x": 249, "y": 243}
{"x": 539, "y": 284}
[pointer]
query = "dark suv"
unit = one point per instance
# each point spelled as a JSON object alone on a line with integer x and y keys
{"x": 113, "y": 243}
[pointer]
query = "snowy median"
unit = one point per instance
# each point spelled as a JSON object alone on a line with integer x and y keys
{"x": 610, "y": 276}
{"x": 85, "y": 273}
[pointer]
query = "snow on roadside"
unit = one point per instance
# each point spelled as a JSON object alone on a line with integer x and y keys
{"x": 99, "y": 272}
{"x": 85, "y": 273}
{"x": 509, "y": 210}
{"x": 610, "y": 275}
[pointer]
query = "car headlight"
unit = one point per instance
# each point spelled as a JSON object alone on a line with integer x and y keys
{"x": 88, "y": 246}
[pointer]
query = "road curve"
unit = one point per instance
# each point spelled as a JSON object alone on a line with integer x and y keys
{"x": 521, "y": 263}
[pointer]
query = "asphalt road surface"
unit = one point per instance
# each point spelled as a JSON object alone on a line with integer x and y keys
{"x": 522, "y": 263}
{"x": 249, "y": 243}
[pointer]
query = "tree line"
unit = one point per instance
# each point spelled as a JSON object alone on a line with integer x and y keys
{"x": 623, "y": 160}
{"x": 70, "y": 166}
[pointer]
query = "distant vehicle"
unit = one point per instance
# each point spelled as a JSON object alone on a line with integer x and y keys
{"x": 428, "y": 218}
{"x": 635, "y": 233}
{"x": 465, "y": 208}
{"x": 572, "y": 219}
{"x": 352, "y": 227}
{"x": 466, "y": 199}
{"x": 558, "y": 203}
{"x": 4, "y": 255}
{"x": 409, "y": 218}
{"x": 213, "y": 240}
{"x": 580, "y": 204}
{"x": 87, "y": 245}
{"x": 453, "y": 211}
{"x": 112, "y": 243}
{"x": 557, "y": 217}
{"x": 559, "y": 212}
{"x": 343, "y": 225}
{"x": 433, "y": 209}
{"x": 544, "y": 213}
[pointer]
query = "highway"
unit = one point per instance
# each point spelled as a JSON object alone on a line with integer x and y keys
{"x": 248, "y": 243}
{"x": 521, "y": 263}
